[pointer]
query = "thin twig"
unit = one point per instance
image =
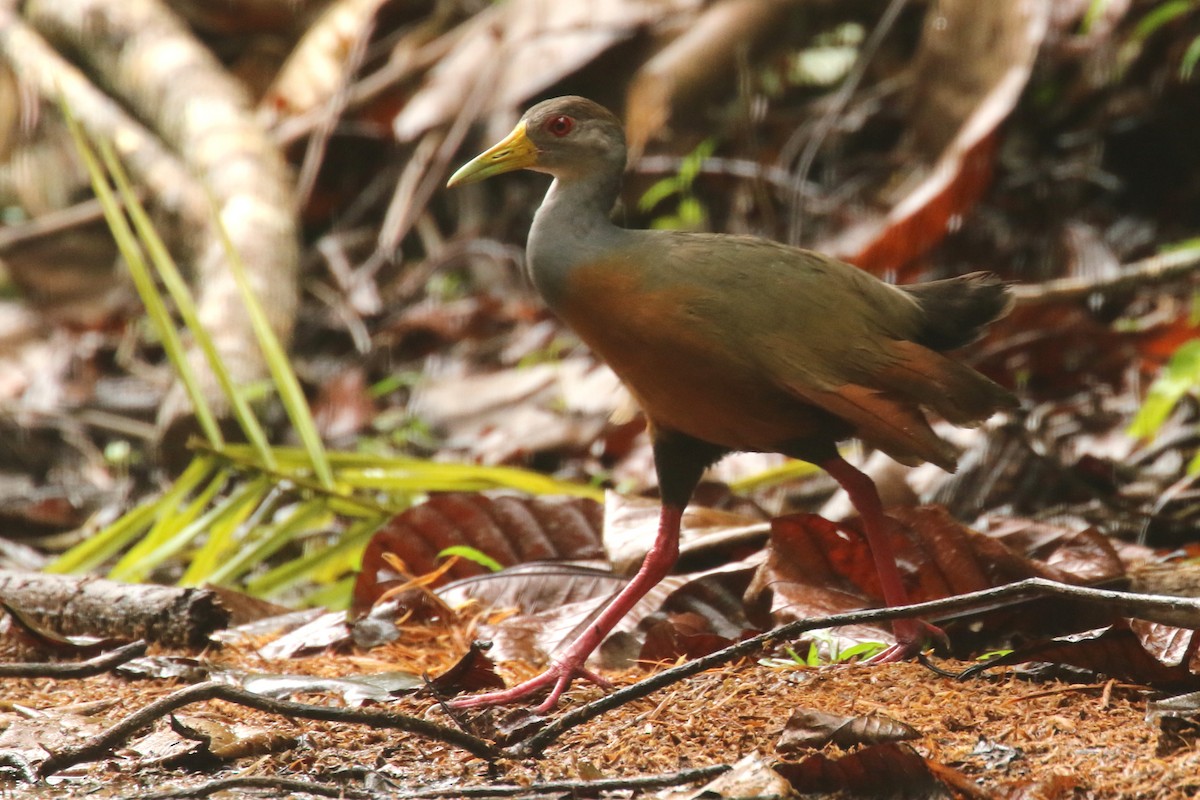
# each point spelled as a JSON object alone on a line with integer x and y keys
{"x": 580, "y": 788}
{"x": 570, "y": 788}
{"x": 100, "y": 745}
{"x": 331, "y": 114}
{"x": 1107, "y": 686}
{"x": 278, "y": 785}
{"x": 76, "y": 669}
{"x": 1179, "y": 611}
{"x": 52, "y": 223}
{"x": 1159, "y": 268}
{"x": 837, "y": 105}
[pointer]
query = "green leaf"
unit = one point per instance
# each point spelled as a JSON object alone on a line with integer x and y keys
{"x": 862, "y": 650}
{"x": 1095, "y": 11}
{"x": 693, "y": 162}
{"x": 788, "y": 471}
{"x": 177, "y": 532}
{"x": 100, "y": 546}
{"x": 681, "y": 183}
{"x": 660, "y": 191}
{"x": 334, "y": 596}
{"x": 263, "y": 542}
{"x": 988, "y": 656}
{"x": 1180, "y": 376}
{"x": 473, "y": 555}
{"x": 1158, "y": 17}
{"x": 1187, "y": 64}
{"x": 691, "y": 212}
{"x": 404, "y": 474}
{"x": 256, "y": 500}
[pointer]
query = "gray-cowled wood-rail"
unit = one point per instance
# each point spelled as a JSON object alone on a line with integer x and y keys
{"x": 735, "y": 343}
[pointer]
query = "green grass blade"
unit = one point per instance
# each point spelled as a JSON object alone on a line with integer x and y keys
{"x": 106, "y": 543}
{"x": 1180, "y": 376}
{"x": 245, "y": 511}
{"x": 145, "y": 555}
{"x": 335, "y": 596}
{"x": 371, "y": 472}
{"x": 472, "y": 554}
{"x": 346, "y": 554}
{"x": 237, "y": 506}
{"x": 156, "y": 309}
{"x": 268, "y": 540}
{"x": 286, "y": 383}
{"x": 177, "y": 287}
{"x": 787, "y": 471}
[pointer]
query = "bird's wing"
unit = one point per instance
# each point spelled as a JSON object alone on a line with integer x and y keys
{"x": 833, "y": 337}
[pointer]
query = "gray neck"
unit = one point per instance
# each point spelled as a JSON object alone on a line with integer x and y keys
{"x": 571, "y": 227}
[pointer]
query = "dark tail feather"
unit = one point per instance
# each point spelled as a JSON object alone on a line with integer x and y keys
{"x": 958, "y": 309}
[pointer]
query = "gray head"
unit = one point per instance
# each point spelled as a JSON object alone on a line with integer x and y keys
{"x": 571, "y": 138}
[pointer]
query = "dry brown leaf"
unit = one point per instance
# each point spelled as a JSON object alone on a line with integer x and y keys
{"x": 510, "y": 530}
{"x": 500, "y": 416}
{"x": 751, "y": 776}
{"x": 707, "y": 534}
{"x": 701, "y": 62}
{"x": 1121, "y": 652}
{"x": 813, "y": 729}
{"x": 520, "y": 48}
{"x": 815, "y": 567}
{"x": 972, "y": 64}
{"x": 230, "y": 741}
{"x": 474, "y": 672}
{"x": 882, "y": 770}
{"x": 344, "y": 406}
{"x": 681, "y": 615}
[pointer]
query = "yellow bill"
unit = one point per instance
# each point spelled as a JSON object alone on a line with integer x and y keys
{"x": 514, "y": 152}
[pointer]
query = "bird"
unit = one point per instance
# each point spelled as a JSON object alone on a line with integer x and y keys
{"x": 737, "y": 343}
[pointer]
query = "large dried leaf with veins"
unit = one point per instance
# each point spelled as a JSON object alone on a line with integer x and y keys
{"x": 509, "y": 530}
{"x": 815, "y": 567}
{"x": 813, "y": 728}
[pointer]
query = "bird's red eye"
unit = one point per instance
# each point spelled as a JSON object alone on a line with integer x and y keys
{"x": 559, "y": 126}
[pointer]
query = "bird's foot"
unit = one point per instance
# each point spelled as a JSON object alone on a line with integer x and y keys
{"x": 911, "y": 637}
{"x": 558, "y": 676}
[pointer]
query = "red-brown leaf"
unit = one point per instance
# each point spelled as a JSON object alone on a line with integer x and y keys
{"x": 1148, "y": 653}
{"x": 511, "y": 530}
{"x": 882, "y": 770}
{"x": 815, "y": 568}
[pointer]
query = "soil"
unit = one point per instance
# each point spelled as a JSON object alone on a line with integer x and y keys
{"x": 1011, "y": 734}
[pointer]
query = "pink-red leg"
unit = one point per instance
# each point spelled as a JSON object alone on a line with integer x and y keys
{"x": 911, "y": 634}
{"x": 570, "y": 663}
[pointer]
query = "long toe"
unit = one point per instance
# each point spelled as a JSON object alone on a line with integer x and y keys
{"x": 518, "y": 693}
{"x": 911, "y": 637}
{"x": 558, "y": 677}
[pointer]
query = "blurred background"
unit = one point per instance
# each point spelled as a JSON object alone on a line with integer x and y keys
{"x": 1054, "y": 143}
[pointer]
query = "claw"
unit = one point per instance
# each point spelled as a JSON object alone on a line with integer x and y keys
{"x": 911, "y": 637}
{"x": 559, "y": 675}
{"x": 570, "y": 664}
